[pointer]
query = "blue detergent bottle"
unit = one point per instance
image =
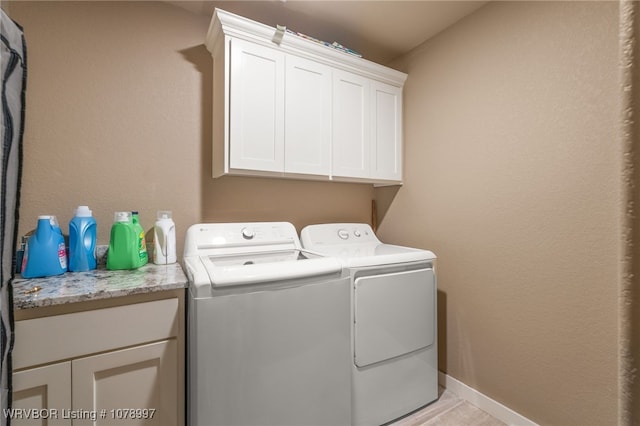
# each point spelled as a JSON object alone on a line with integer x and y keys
{"x": 82, "y": 240}
{"x": 45, "y": 253}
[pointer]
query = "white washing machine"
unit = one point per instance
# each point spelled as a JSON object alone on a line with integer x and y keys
{"x": 394, "y": 356}
{"x": 268, "y": 332}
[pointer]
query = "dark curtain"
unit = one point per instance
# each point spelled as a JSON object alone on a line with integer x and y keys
{"x": 14, "y": 75}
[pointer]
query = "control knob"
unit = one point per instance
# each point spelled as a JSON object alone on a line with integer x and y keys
{"x": 248, "y": 233}
{"x": 343, "y": 233}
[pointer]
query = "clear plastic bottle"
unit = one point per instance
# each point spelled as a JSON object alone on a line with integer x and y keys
{"x": 164, "y": 239}
{"x": 82, "y": 240}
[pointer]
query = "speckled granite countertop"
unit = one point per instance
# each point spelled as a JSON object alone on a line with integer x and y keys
{"x": 101, "y": 283}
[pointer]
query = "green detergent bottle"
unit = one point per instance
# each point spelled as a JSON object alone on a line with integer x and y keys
{"x": 141, "y": 243}
{"x": 123, "y": 243}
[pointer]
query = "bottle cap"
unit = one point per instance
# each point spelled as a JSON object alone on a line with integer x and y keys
{"x": 83, "y": 211}
{"x": 164, "y": 214}
{"x": 122, "y": 217}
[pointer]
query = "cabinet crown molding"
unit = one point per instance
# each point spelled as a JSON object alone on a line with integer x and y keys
{"x": 224, "y": 23}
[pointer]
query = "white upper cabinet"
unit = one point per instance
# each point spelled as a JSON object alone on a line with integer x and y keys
{"x": 286, "y": 106}
{"x": 351, "y": 147}
{"x": 386, "y": 131}
{"x": 307, "y": 117}
{"x": 257, "y": 107}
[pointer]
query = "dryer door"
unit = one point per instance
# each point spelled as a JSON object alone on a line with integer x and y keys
{"x": 394, "y": 314}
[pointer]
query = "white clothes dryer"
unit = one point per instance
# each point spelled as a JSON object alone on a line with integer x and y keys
{"x": 394, "y": 368}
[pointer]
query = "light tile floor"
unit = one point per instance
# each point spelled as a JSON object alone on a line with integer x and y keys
{"x": 449, "y": 410}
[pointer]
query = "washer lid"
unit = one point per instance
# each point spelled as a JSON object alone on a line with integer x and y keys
{"x": 265, "y": 267}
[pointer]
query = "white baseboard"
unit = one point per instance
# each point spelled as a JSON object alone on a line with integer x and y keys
{"x": 483, "y": 402}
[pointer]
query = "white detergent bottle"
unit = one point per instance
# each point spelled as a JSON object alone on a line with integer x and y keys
{"x": 164, "y": 239}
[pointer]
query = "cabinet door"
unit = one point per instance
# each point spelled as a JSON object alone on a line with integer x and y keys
{"x": 42, "y": 392}
{"x": 256, "y": 136}
{"x": 386, "y": 131}
{"x": 307, "y": 117}
{"x": 138, "y": 378}
{"x": 350, "y": 142}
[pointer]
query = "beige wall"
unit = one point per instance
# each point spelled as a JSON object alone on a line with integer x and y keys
{"x": 119, "y": 118}
{"x": 629, "y": 363}
{"x": 513, "y": 179}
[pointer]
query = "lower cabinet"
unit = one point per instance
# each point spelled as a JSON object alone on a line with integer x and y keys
{"x": 103, "y": 377}
{"x": 136, "y": 386}
{"x": 40, "y": 394}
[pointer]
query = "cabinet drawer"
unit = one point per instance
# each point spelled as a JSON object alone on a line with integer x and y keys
{"x": 58, "y": 337}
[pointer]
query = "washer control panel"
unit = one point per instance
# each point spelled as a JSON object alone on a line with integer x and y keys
{"x": 220, "y": 235}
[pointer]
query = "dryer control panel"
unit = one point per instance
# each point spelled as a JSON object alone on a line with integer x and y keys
{"x": 339, "y": 233}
